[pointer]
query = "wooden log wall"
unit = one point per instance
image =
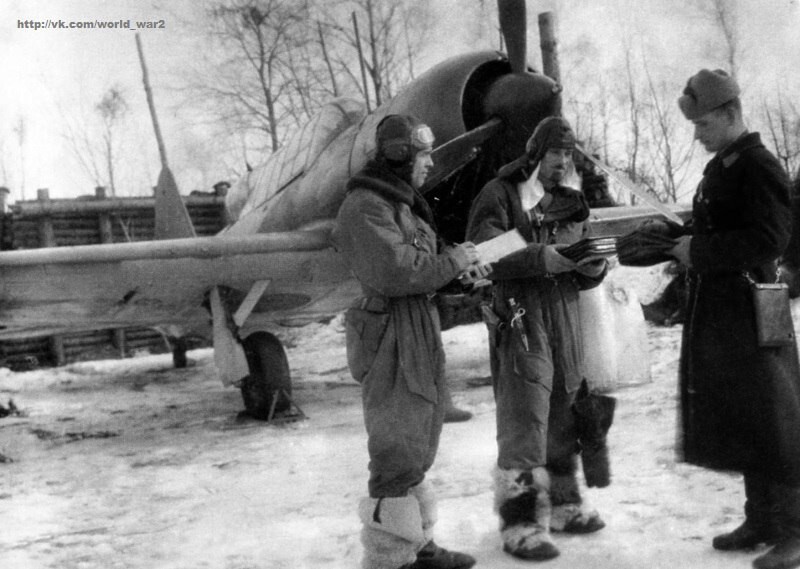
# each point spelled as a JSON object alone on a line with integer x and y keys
{"x": 84, "y": 221}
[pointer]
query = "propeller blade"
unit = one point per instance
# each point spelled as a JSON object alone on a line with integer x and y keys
{"x": 514, "y": 25}
{"x": 456, "y": 153}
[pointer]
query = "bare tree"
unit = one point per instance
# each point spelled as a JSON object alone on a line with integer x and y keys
{"x": 724, "y": 17}
{"x": 589, "y": 113}
{"x": 783, "y": 122}
{"x": 261, "y": 74}
{"x": 396, "y": 33}
{"x": 327, "y": 59}
{"x": 669, "y": 157}
{"x": 112, "y": 109}
{"x": 5, "y": 170}
{"x": 82, "y": 143}
{"x": 482, "y": 23}
{"x": 271, "y": 71}
{"x": 94, "y": 139}
{"x": 374, "y": 69}
{"x": 634, "y": 110}
{"x": 587, "y": 95}
{"x": 21, "y": 132}
{"x": 605, "y": 118}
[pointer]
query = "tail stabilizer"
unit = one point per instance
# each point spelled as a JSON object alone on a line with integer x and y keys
{"x": 172, "y": 217}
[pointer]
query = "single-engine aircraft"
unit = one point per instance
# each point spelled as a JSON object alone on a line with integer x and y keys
{"x": 274, "y": 264}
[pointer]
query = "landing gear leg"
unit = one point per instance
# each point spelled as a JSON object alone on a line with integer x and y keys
{"x": 179, "y": 346}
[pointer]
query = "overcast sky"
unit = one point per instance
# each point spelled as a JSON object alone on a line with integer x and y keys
{"x": 48, "y": 73}
{"x": 51, "y": 71}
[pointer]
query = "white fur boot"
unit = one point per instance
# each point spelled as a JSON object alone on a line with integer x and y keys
{"x": 521, "y": 498}
{"x": 569, "y": 513}
{"x": 391, "y": 533}
{"x": 427, "y": 508}
{"x": 431, "y": 556}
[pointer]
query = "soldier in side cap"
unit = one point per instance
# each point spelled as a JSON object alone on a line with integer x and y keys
{"x": 740, "y": 402}
{"x": 386, "y": 232}
{"x": 534, "y": 340}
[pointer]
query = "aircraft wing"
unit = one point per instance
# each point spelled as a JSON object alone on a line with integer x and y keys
{"x": 91, "y": 287}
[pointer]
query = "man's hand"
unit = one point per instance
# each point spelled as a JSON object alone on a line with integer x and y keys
{"x": 475, "y": 273}
{"x": 555, "y": 262}
{"x": 466, "y": 254}
{"x": 681, "y": 250}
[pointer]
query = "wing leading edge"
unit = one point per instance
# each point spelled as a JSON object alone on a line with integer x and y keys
{"x": 44, "y": 291}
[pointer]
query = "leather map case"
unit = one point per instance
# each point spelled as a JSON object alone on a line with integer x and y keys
{"x": 773, "y": 314}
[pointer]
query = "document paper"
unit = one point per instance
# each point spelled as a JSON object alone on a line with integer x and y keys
{"x": 495, "y": 249}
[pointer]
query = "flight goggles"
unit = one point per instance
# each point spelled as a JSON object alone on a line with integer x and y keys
{"x": 422, "y": 137}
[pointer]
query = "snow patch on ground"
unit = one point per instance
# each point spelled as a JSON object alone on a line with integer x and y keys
{"x": 132, "y": 464}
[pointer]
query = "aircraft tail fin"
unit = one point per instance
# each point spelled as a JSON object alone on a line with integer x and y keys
{"x": 172, "y": 217}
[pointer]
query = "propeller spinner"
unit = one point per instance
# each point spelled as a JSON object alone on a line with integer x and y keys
{"x": 511, "y": 106}
{"x": 522, "y": 98}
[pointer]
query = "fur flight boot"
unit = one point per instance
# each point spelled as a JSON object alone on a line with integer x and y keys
{"x": 391, "y": 532}
{"x": 431, "y": 556}
{"x": 434, "y": 557}
{"x": 522, "y": 500}
{"x": 570, "y": 514}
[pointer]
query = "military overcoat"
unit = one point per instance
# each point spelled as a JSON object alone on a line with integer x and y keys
{"x": 740, "y": 403}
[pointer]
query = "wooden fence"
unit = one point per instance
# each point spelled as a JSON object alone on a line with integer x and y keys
{"x": 83, "y": 221}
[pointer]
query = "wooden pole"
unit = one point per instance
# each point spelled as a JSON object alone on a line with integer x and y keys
{"x": 549, "y": 46}
{"x": 47, "y": 238}
{"x": 4, "y": 193}
{"x": 120, "y": 341}
{"x": 47, "y": 235}
{"x": 172, "y": 217}
{"x": 149, "y": 92}
{"x": 103, "y": 218}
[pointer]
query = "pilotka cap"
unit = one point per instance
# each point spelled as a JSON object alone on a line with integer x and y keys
{"x": 706, "y": 91}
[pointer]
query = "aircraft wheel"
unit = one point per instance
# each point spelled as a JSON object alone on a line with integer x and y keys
{"x": 269, "y": 374}
{"x": 179, "y": 346}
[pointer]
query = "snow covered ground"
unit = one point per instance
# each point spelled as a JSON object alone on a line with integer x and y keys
{"x": 134, "y": 464}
